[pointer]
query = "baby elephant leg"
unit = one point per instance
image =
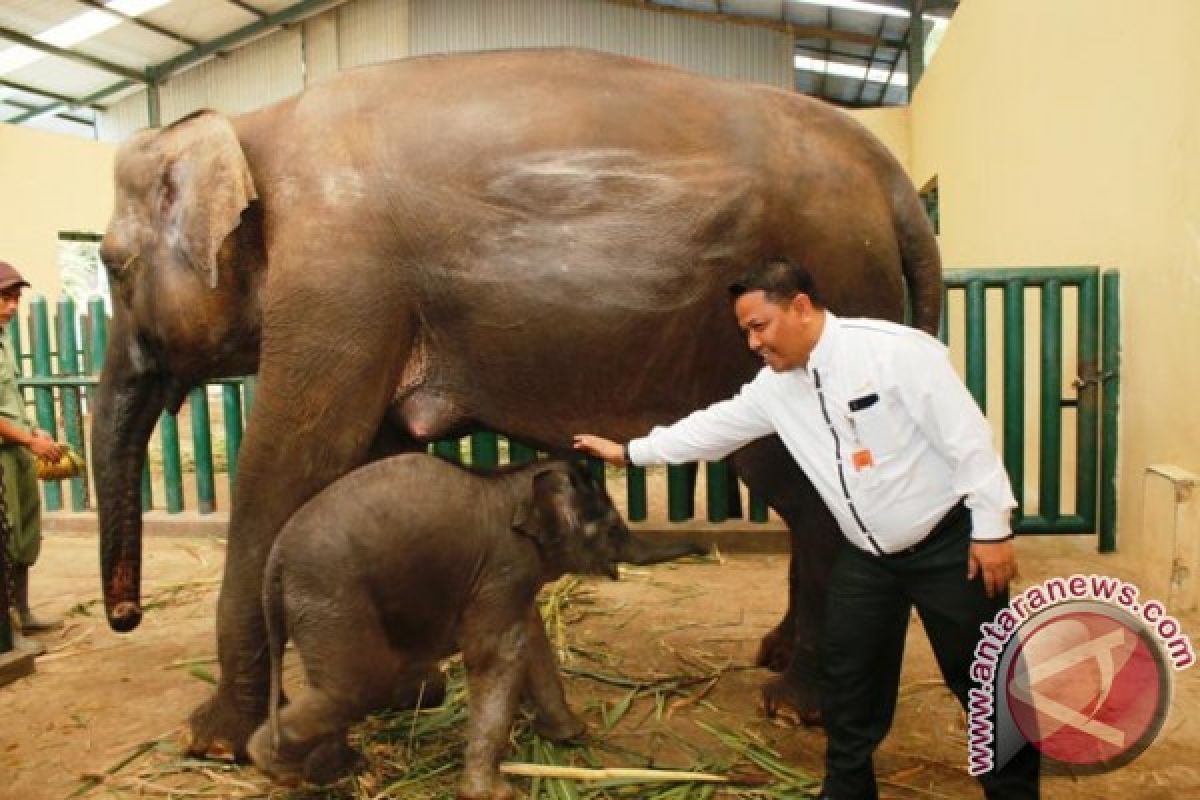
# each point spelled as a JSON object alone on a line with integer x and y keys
{"x": 496, "y": 666}
{"x": 543, "y": 687}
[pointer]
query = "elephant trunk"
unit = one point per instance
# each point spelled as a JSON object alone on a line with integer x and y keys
{"x": 128, "y": 403}
{"x": 633, "y": 549}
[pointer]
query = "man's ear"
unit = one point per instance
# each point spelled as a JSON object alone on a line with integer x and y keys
{"x": 801, "y": 303}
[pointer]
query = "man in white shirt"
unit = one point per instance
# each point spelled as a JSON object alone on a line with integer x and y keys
{"x": 875, "y": 415}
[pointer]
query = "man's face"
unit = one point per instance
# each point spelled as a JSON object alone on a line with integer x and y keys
{"x": 10, "y": 299}
{"x": 782, "y": 334}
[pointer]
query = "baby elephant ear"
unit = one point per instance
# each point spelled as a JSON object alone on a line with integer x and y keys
{"x": 549, "y": 510}
{"x": 206, "y": 187}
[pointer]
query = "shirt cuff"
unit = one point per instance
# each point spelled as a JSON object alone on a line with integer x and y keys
{"x": 635, "y": 452}
{"x": 990, "y": 527}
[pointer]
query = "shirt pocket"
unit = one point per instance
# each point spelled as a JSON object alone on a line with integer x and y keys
{"x": 876, "y": 426}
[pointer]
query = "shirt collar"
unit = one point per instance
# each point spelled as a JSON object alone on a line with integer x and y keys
{"x": 822, "y": 353}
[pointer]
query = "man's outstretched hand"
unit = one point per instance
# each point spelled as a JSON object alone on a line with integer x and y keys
{"x": 598, "y": 446}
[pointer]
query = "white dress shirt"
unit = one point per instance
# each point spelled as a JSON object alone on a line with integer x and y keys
{"x": 880, "y": 423}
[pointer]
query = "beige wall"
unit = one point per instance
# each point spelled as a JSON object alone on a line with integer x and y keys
{"x": 893, "y": 126}
{"x": 1042, "y": 163}
{"x": 51, "y": 183}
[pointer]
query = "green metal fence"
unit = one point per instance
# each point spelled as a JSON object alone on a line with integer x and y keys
{"x": 61, "y": 400}
{"x": 1064, "y": 298}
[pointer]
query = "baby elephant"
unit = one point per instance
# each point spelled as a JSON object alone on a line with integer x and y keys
{"x": 408, "y": 560}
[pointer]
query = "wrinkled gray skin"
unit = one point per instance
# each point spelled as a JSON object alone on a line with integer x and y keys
{"x": 408, "y": 560}
{"x": 535, "y": 242}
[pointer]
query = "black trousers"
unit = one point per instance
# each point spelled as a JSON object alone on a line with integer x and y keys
{"x": 870, "y": 599}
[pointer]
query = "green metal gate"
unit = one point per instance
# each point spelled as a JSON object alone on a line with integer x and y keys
{"x": 1075, "y": 304}
{"x": 1078, "y": 297}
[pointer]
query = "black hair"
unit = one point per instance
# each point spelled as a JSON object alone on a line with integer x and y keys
{"x": 780, "y": 280}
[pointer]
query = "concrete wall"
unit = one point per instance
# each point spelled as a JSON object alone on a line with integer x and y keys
{"x": 52, "y": 183}
{"x": 1085, "y": 149}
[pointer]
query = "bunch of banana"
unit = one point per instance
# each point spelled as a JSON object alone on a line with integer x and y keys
{"x": 70, "y": 465}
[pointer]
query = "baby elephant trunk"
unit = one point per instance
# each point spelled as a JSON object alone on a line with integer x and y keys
{"x": 644, "y": 550}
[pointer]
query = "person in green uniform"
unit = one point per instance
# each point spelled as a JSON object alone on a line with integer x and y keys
{"x": 20, "y": 443}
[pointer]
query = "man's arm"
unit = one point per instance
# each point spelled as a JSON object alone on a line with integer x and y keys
{"x": 706, "y": 435}
{"x": 947, "y": 414}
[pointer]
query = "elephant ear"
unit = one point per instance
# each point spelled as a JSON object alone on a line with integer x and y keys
{"x": 550, "y": 510}
{"x": 206, "y": 186}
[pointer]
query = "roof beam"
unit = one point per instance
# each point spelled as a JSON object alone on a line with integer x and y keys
{"x": 73, "y": 55}
{"x": 249, "y": 9}
{"x": 278, "y": 19}
{"x": 796, "y": 31}
{"x": 21, "y": 87}
{"x": 164, "y": 70}
{"x": 62, "y": 115}
{"x": 142, "y": 23}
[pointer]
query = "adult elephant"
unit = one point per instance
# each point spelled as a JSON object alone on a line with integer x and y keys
{"x": 535, "y": 242}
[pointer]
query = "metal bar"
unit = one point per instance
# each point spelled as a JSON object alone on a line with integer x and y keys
{"x": 520, "y": 453}
{"x": 717, "y": 475}
{"x": 53, "y": 381}
{"x": 202, "y": 454}
{"x": 147, "y": 486}
{"x": 681, "y": 501}
{"x": 142, "y": 23}
{"x": 160, "y": 72}
{"x": 52, "y": 108}
{"x": 97, "y": 337}
{"x": 1034, "y": 276}
{"x": 895, "y": 63}
{"x": 1050, "y": 471}
{"x": 44, "y": 396}
{"x": 916, "y": 46}
{"x": 485, "y": 450}
{"x": 9, "y": 101}
{"x": 635, "y": 492}
{"x": 1111, "y": 375}
{"x": 977, "y": 343}
{"x": 596, "y": 468}
{"x": 944, "y": 323}
{"x": 862, "y": 86}
{"x": 1072, "y": 523}
{"x": 249, "y": 9}
{"x": 759, "y": 512}
{"x": 792, "y": 29}
{"x": 72, "y": 413}
{"x": 1014, "y": 388}
{"x": 72, "y": 55}
{"x": 449, "y": 449}
{"x": 168, "y": 431}
{"x": 231, "y": 411}
{"x": 1088, "y": 398}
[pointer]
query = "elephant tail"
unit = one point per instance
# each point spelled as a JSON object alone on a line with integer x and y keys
{"x": 276, "y": 624}
{"x": 922, "y": 264}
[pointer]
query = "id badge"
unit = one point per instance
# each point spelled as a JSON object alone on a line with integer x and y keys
{"x": 862, "y": 459}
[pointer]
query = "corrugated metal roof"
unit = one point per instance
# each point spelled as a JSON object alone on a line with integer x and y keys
{"x": 837, "y": 46}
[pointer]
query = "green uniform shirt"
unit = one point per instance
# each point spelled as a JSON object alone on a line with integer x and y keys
{"x": 21, "y": 496}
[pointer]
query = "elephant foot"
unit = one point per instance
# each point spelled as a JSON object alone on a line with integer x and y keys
{"x": 775, "y": 652}
{"x": 562, "y": 730}
{"x": 797, "y": 703}
{"x": 218, "y": 728}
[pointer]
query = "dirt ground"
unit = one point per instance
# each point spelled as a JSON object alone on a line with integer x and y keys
{"x": 96, "y": 697}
